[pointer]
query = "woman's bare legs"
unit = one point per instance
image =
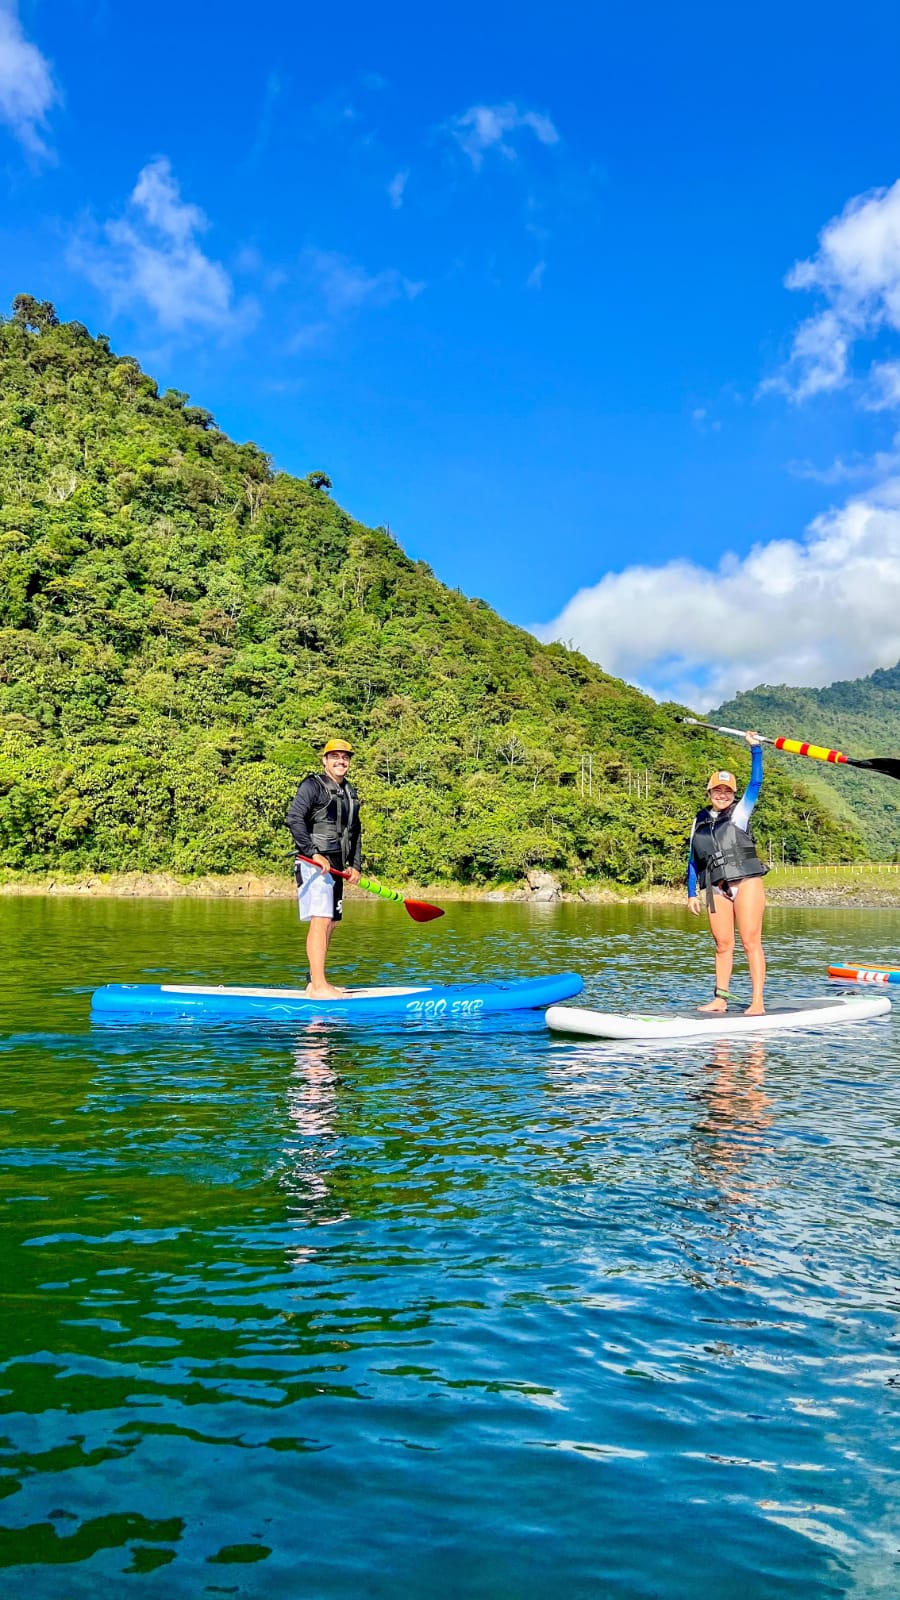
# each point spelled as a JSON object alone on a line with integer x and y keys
{"x": 721, "y": 925}
{"x": 749, "y": 909}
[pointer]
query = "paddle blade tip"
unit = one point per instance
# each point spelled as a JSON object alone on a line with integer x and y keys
{"x": 420, "y": 911}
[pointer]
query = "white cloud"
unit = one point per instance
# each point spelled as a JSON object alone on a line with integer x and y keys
{"x": 857, "y": 270}
{"x": 157, "y": 194}
{"x": 484, "y": 128}
{"x": 874, "y": 468}
{"x": 27, "y": 90}
{"x": 151, "y": 257}
{"x": 535, "y": 279}
{"x": 883, "y": 389}
{"x": 345, "y": 286}
{"x": 312, "y": 336}
{"x": 791, "y": 611}
{"x": 395, "y": 189}
{"x": 703, "y": 422}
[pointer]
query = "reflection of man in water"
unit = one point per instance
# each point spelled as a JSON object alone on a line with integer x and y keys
{"x": 312, "y": 1104}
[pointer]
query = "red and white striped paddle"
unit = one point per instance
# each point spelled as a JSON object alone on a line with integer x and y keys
{"x": 889, "y": 765}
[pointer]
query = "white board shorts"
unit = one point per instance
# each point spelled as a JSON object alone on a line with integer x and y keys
{"x": 319, "y": 894}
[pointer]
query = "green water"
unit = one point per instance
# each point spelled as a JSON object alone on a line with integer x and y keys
{"x": 473, "y": 1312}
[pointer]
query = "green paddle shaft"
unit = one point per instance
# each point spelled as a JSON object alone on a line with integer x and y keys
{"x": 419, "y": 910}
{"x": 376, "y": 888}
{"x": 368, "y": 884}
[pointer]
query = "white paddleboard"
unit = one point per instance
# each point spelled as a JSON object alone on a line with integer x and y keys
{"x": 828, "y": 1012}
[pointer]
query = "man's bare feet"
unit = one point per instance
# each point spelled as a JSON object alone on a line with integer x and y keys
{"x": 755, "y": 1009}
{"x": 714, "y": 1005}
{"x": 324, "y": 991}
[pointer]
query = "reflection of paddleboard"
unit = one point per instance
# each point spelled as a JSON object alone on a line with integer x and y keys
{"x": 826, "y": 1013}
{"x": 865, "y": 974}
{"x": 189, "y": 1002}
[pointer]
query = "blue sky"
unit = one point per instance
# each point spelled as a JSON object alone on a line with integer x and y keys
{"x": 524, "y": 282}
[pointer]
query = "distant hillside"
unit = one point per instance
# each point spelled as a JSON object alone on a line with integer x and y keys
{"x": 861, "y": 717}
{"x": 181, "y": 626}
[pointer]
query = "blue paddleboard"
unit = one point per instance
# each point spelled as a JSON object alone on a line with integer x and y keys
{"x": 199, "y": 1002}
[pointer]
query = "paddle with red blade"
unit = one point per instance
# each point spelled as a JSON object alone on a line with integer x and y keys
{"x": 888, "y": 765}
{"x": 419, "y": 910}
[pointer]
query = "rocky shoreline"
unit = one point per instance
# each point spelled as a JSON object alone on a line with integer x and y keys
{"x": 539, "y": 888}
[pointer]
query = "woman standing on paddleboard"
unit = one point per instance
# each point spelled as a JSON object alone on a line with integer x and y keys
{"x": 723, "y": 862}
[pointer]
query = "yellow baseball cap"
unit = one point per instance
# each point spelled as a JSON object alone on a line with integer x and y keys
{"x": 727, "y": 779}
{"x": 337, "y": 744}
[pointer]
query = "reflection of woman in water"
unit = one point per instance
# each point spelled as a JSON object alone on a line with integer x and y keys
{"x": 729, "y": 1152}
{"x": 722, "y": 860}
{"x": 737, "y": 1115}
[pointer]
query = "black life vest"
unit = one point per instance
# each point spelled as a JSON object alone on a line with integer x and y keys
{"x": 723, "y": 852}
{"x": 333, "y": 821}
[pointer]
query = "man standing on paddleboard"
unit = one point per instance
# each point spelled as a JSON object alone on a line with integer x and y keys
{"x": 722, "y": 859}
{"x": 324, "y": 824}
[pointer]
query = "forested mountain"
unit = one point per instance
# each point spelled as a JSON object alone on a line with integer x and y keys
{"x": 181, "y": 626}
{"x": 861, "y": 717}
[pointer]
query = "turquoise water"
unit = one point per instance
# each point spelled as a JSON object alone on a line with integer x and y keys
{"x": 442, "y": 1313}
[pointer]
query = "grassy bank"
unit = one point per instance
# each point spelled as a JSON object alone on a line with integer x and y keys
{"x": 864, "y": 884}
